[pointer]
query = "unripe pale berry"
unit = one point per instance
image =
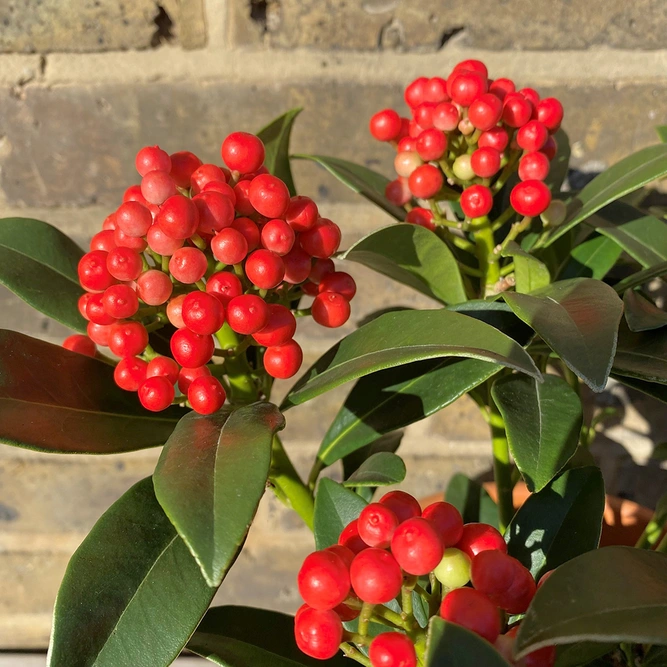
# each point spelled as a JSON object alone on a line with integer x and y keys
{"x": 555, "y": 213}
{"x": 453, "y": 571}
{"x": 406, "y": 162}
{"x": 462, "y": 168}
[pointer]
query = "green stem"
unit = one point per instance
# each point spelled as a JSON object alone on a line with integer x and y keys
{"x": 164, "y": 264}
{"x": 354, "y": 654}
{"x": 516, "y": 229}
{"x": 365, "y": 618}
{"x": 507, "y": 171}
{"x": 304, "y": 312}
{"x": 243, "y": 389}
{"x": 650, "y": 535}
{"x": 488, "y": 261}
{"x": 198, "y": 241}
{"x": 318, "y": 467}
{"x": 475, "y": 273}
{"x": 662, "y": 547}
{"x": 507, "y": 269}
{"x": 503, "y": 218}
{"x": 502, "y": 469}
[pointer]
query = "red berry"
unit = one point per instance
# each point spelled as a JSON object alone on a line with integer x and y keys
{"x": 283, "y": 361}
{"x": 103, "y": 240}
{"x": 534, "y": 166}
{"x": 321, "y": 267}
{"x": 229, "y": 246}
{"x": 249, "y": 230}
{"x": 431, "y": 144}
{"x": 407, "y": 145}
{"x": 206, "y": 395}
{"x": 188, "y": 265}
{"x": 279, "y": 329}
{"x": 134, "y": 219}
{"x": 269, "y": 195}
{"x": 350, "y": 538}
{"x": 265, "y": 269}
{"x": 415, "y": 93}
{"x": 435, "y": 90}
{"x": 425, "y": 181}
{"x": 95, "y": 311}
{"x": 152, "y": 158}
{"x": 550, "y": 148}
{"x": 157, "y": 186}
{"x": 109, "y": 223}
{"x": 242, "y": 151}
{"x": 175, "y": 311}
{"x": 322, "y": 240}
{"x": 183, "y": 165}
{"x": 496, "y": 138}
{"x": 376, "y": 525}
{"x": 501, "y": 87}
{"x": 318, "y": 633}
{"x": 339, "y": 282}
{"x": 392, "y": 649}
{"x": 247, "y": 314}
{"x": 164, "y": 366}
{"x": 330, "y": 309}
{"x": 178, "y": 217}
{"x": 202, "y": 313}
{"x": 531, "y": 95}
{"x": 216, "y": 211}
{"x": 478, "y": 537}
{"x": 162, "y": 244}
{"x": 398, "y": 191}
{"x": 492, "y": 572}
{"x": 93, "y": 273}
{"x": 532, "y": 136}
{"x": 476, "y": 201}
{"x": 124, "y": 264}
{"x": 297, "y": 265}
{"x": 402, "y": 504}
{"x": 224, "y": 286}
{"x": 422, "y": 217}
{"x": 204, "y": 174}
{"x": 466, "y": 87}
{"x": 473, "y": 610}
{"x": 301, "y": 214}
{"x": 186, "y": 376}
{"x": 485, "y": 112}
{"x": 191, "y": 350}
{"x": 99, "y": 333}
{"x": 154, "y": 287}
{"x": 222, "y": 188}
{"x": 376, "y": 576}
{"x": 133, "y": 193}
{"x": 124, "y": 241}
{"x": 323, "y": 580}
{"x": 517, "y": 110}
{"x": 446, "y": 117}
{"x": 530, "y": 198}
{"x": 472, "y": 65}
{"x": 485, "y": 162}
{"x": 130, "y": 373}
{"x": 120, "y": 301}
{"x": 242, "y": 193}
{"x": 277, "y": 236}
{"x": 423, "y": 116}
{"x": 417, "y": 547}
{"x": 346, "y": 613}
{"x": 550, "y": 113}
{"x": 128, "y": 339}
{"x": 385, "y": 125}
{"x": 447, "y": 522}
{"x": 156, "y": 393}
{"x": 80, "y": 344}
{"x": 83, "y": 302}
{"x": 520, "y": 594}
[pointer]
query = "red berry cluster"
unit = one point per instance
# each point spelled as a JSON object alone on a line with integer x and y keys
{"x": 469, "y": 132}
{"x": 385, "y": 550}
{"x": 205, "y": 248}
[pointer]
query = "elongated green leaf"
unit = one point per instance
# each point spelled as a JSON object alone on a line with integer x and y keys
{"x": 641, "y": 277}
{"x": 132, "y": 593}
{"x": 391, "y": 399}
{"x": 658, "y": 391}
{"x": 54, "y": 400}
{"x": 335, "y": 507}
{"x": 246, "y": 637}
{"x": 614, "y": 594}
{"x": 560, "y": 163}
{"x": 593, "y": 258}
{"x": 640, "y": 168}
{"x": 276, "y": 138}
{"x": 581, "y": 653}
{"x": 642, "y": 355}
{"x": 662, "y": 133}
{"x": 499, "y": 315}
{"x": 560, "y": 522}
{"x": 451, "y": 645}
{"x": 530, "y": 274}
{"x": 471, "y": 500}
{"x": 364, "y": 181}
{"x": 399, "y": 338}
{"x": 381, "y": 469}
{"x": 643, "y": 237}
{"x": 543, "y": 422}
{"x": 386, "y": 443}
{"x": 39, "y": 264}
{"x": 641, "y": 314}
{"x": 210, "y": 478}
{"x": 414, "y": 256}
{"x": 578, "y": 319}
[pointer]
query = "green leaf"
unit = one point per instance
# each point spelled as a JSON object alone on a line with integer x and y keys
{"x": 335, "y": 507}
{"x": 451, "y": 645}
{"x": 381, "y": 469}
{"x": 403, "y": 337}
{"x": 471, "y": 500}
{"x": 530, "y": 274}
{"x": 643, "y": 237}
{"x": 560, "y": 522}
{"x": 656, "y": 657}
{"x": 276, "y": 138}
{"x": 132, "y": 594}
{"x": 385, "y": 443}
{"x": 39, "y": 264}
{"x": 641, "y": 314}
{"x": 499, "y": 315}
{"x": 642, "y": 355}
{"x": 54, "y": 400}
{"x": 391, "y": 399}
{"x": 560, "y": 163}
{"x": 578, "y": 319}
{"x": 364, "y": 181}
{"x": 653, "y": 389}
{"x": 246, "y": 637}
{"x": 628, "y": 175}
{"x": 414, "y": 256}
{"x": 614, "y": 594}
{"x": 593, "y": 258}
{"x": 581, "y": 653}
{"x": 543, "y": 422}
{"x": 210, "y": 478}
{"x": 641, "y": 277}
{"x": 662, "y": 133}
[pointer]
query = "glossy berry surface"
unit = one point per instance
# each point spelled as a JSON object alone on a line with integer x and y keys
{"x": 416, "y": 546}
{"x": 375, "y": 576}
{"x": 478, "y": 537}
{"x": 473, "y": 610}
{"x": 318, "y": 633}
{"x": 392, "y": 649}
{"x": 446, "y": 520}
{"x": 206, "y": 395}
{"x": 453, "y": 570}
{"x": 323, "y": 580}
{"x": 402, "y": 504}
{"x": 377, "y": 524}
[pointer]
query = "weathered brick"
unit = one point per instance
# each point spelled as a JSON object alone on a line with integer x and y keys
{"x": 99, "y": 25}
{"x": 409, "y": 25}
{"x": 108, "y": 123}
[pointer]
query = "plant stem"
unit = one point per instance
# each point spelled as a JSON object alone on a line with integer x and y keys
{"x": 662, "y": 547}
{"x": 502, "y": 470}
{"x": 243, "y": 389}
{"x": 365, "y": 618}
{"x": 351, "y": 652}
{"x": 318, "y": 467}
{"x": 488, "y": 261}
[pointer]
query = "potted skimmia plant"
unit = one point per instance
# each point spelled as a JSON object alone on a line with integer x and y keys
{"x": 195, "y": 283}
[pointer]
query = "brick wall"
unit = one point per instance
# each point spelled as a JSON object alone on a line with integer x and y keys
{"x": 85, "y": 83}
